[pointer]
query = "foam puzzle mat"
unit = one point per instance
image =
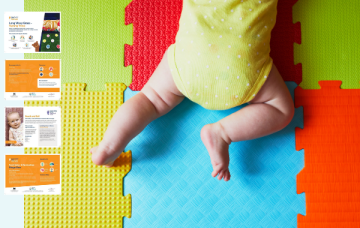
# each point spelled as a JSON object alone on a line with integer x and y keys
{"x": 330, "y": 138}
{"x": 172, "y": 186}
{"x": 170, "y": 181}
{"x": 92, "y": 196}
{"x": 155, "y": 25}
{"x": 329, "y": 49}
{"x": 93, "y": 35}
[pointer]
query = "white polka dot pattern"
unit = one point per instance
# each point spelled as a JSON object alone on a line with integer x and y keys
{"x": 233, "y": 38}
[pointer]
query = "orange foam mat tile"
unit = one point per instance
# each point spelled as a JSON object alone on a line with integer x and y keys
{"x": 91, "y": 196}
{"x": 330, "y": 139}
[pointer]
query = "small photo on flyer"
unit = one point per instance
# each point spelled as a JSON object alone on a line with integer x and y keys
{"x": 32, "y": 127}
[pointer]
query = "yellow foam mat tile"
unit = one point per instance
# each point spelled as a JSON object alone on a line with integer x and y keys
{"x": 92, "y": 196}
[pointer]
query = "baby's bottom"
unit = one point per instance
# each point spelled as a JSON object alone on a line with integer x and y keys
{"x": 270, "y": 111}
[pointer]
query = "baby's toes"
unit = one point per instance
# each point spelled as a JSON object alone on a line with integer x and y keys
{"x": 221, "y": 174}
{"x": 92, "y": 150}
{"x": 216, "y": 171}
{"x": 227, "y": 176}
{"x": 109, "y": 165}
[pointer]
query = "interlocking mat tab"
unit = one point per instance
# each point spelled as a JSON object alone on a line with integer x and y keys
{"x": 283, "y": 37}
{"x": 330, "y": 138}
{"x": 92, "y": 196}
{"x": 93, "y": 35}
{"x": 330, "y": 43}
{"x": 172, "y": 186}
{"x": 155, "y": 25}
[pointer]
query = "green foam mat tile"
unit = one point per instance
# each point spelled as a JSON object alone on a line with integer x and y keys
{"x": 93, "y": 34}
{"x": 330, "y": 43}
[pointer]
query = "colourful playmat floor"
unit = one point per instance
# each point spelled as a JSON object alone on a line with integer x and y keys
{"x": 170, "y": 182}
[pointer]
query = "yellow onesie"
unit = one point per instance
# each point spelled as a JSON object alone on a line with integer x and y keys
{"x": 221, "y": 55}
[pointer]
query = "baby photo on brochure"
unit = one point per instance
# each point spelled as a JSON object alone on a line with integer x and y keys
{"x": 14, "y": 129}
{"x": 32, "y": 127}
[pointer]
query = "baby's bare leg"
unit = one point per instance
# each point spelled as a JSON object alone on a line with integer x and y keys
{"x": 271, "y": 110}
{"x": 158, "y": 97}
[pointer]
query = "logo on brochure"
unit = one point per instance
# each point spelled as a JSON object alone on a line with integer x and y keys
{"x": 14, "y": 159}
{"x": 51, "y": 189}
{"x": 51, "y": 112}
{"x": 13, "y": 18}
{"x": 32, "y": 94}
{"x": 14, "y": 190}
{"x": 13, "y": 95}
{"x": 32, "y": 189}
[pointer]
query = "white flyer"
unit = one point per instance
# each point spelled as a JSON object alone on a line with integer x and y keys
{"x": 30, "y": 32}
{"x": 32, "y": 127}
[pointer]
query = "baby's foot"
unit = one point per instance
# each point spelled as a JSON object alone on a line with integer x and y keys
{"x": 103, "y": 156}
{"x": 217, "y": 144}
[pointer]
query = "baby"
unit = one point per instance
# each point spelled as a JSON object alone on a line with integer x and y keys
{"x": 220, "y": 60}
{"x": 16, "y": 128}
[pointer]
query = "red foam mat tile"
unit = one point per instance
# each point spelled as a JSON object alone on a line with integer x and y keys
{"x": 155, "y": 24}
{"x": 283, "y": 37}
{"x": 330, "y": 139}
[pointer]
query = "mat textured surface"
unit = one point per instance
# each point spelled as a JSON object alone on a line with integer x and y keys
{"x": 93, "y": 35}
{"x": 171, "y": 181}
{"x": 330, "y": 139}
{"x": 329, "y": 49}
{"x": 283, "y": 37}
{"x": 92, "y": 196}
{"x": 155, "y": 26}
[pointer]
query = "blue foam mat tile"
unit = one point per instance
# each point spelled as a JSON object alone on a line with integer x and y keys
{"x": 171, "y": 183}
